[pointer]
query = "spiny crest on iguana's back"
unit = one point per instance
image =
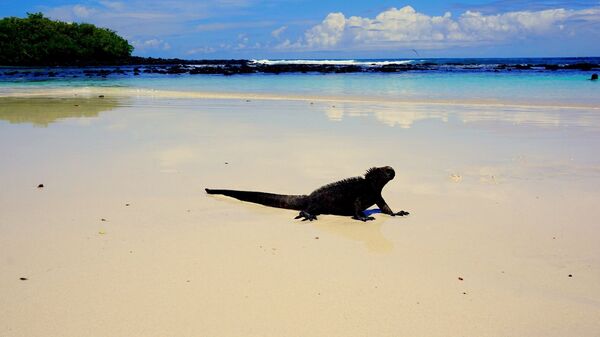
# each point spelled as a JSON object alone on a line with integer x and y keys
{"x": 385, "y": 173}
{"x": 337, "y": 184}
{"x": 371, "y": 172}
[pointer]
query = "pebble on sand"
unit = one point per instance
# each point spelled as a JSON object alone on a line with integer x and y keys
{"x": 455, "y": 177}
{"x": 40, "y": 186}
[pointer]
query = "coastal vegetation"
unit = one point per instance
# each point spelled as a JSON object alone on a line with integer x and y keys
{"x": 38, "y": 41}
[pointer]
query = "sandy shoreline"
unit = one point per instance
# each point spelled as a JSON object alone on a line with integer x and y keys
{"x": 503, "y": 209}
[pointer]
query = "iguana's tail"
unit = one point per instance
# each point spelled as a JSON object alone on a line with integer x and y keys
{"x": 297, "y": 202}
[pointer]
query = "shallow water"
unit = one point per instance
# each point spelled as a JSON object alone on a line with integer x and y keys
{"x": 558, "y": 88}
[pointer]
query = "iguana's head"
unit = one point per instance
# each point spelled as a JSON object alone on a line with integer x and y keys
{"x": 380, "y": 175}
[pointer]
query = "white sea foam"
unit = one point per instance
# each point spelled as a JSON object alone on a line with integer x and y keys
{"x": 334, "y": 62}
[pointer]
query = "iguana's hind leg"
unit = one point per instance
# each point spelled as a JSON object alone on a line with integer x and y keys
{"x": 306, "y": 216}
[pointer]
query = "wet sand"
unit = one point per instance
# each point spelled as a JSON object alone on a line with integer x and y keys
{"x": 501, "y": 240}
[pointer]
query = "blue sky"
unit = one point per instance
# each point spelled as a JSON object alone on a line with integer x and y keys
{"x": 337, "y": 29}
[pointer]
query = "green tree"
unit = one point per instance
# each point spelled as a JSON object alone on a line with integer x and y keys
{"x": 37, "y": 40}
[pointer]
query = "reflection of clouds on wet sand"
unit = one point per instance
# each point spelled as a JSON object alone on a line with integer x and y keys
{"x": 392, "y": 115}
{"x": 405, "y": 119}
{"x": 533, "y": 116}
{"x": 405, "y": 115}
{"x": 335, "y": 113}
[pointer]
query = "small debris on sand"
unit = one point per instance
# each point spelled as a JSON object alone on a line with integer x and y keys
{"x": 460, "y": 279}
{"x": 455, "y": 177}
{"x": 100, "y": 96}
{"x": 316, "y": 238}
{"x": 101, "y": 232}
{"x": 23, "y": 278}
{"x": 102, "y": 219}
{"x": 570, "y": 275}
{"x": 127, "y": 204}
{"x": 40, "y": 186}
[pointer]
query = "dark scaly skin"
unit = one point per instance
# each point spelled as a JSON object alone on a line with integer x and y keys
{"x": 345, "y": 197}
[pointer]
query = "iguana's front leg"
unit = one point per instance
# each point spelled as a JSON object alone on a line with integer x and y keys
{"x": 387, "y": 210}
{"x": 358, "y": 212}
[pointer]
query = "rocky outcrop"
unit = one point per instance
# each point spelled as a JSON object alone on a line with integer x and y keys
{"x": 137, "y": 66}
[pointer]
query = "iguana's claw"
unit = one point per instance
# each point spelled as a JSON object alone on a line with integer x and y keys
{"x": 401, "y": 213}
{"x": 306, "y": 216}
{"x": 363, "y": 218}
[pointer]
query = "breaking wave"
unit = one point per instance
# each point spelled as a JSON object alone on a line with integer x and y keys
{"x": 363, "y": 63}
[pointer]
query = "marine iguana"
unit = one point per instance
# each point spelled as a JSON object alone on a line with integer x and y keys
{"x": 345, "y": 197}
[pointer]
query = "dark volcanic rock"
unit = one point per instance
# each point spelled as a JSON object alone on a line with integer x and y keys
{"x": 177, "y": 70}
{"x": 136, "y": 66}
{"x": 581, "y": 66}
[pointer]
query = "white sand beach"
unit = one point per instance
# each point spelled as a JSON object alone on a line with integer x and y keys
{"x": 122, "y": 240}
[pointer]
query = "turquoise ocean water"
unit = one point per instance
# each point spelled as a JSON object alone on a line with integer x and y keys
{"x": 471, "y": 80}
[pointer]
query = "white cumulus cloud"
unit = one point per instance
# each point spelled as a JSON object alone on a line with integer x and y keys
{"x": 277, "y": 32}
{"x": 82, "y": 11}
{"x": 200, "y": 50}
{"x": 405, "y": 27}
{"x": 151, "y": 44}
{"x": 328, "y": 33}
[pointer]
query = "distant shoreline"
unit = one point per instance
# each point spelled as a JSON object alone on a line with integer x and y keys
{"x": 139, "y": 65}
